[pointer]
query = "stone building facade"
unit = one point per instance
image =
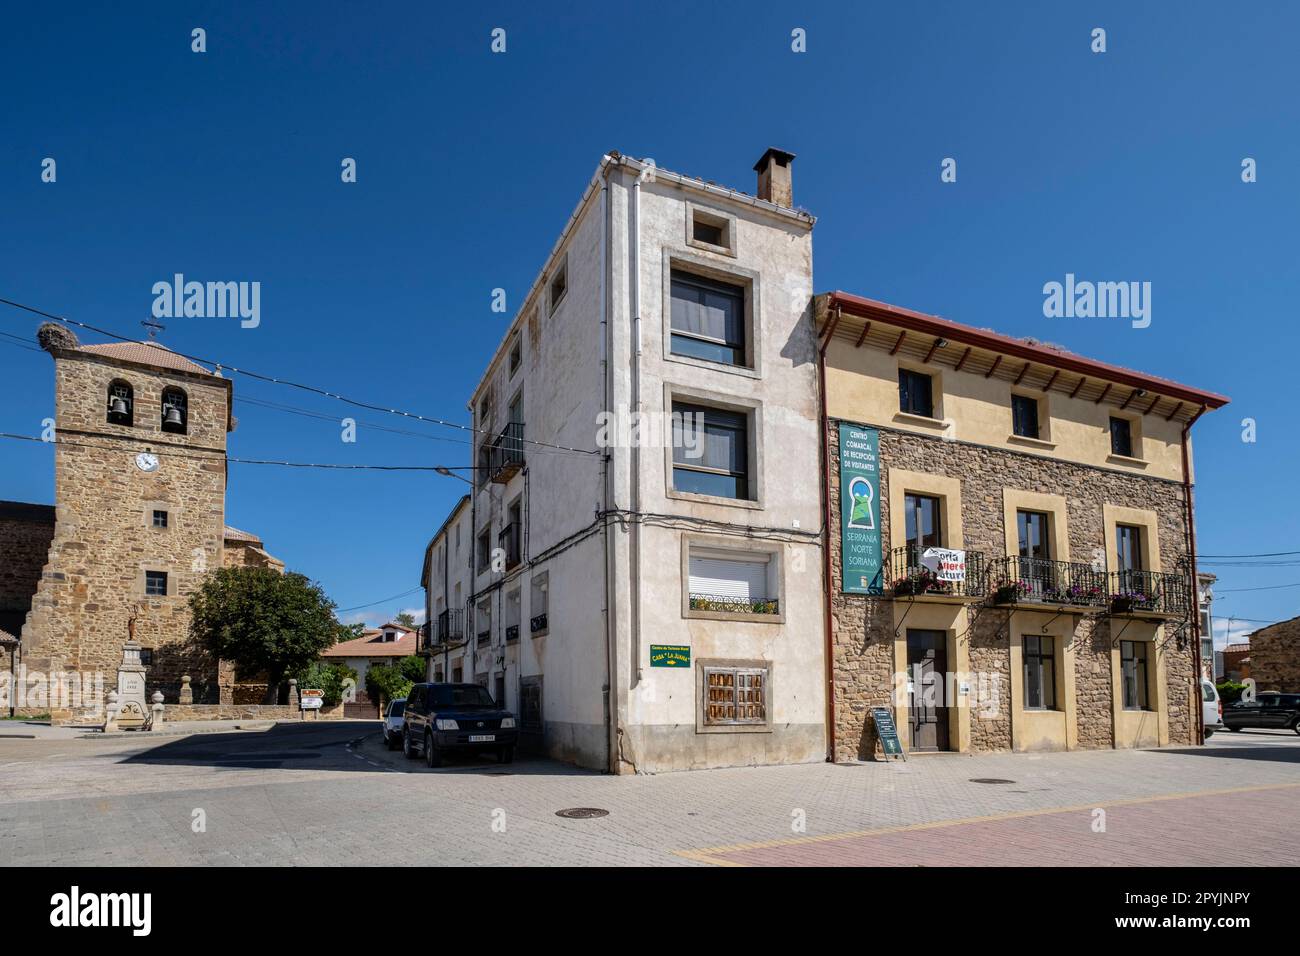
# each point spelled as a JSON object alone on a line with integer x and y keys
{"x": 1274, "y": 653}
{"x": 26, "y": 531}
{"x": 1032, "y": 651}
{"x": 140, "y": 484}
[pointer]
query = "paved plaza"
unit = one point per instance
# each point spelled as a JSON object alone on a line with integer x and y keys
{"x": 330, "y": 793}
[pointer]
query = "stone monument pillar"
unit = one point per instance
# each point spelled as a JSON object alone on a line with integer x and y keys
{"x": 132, "y": 704}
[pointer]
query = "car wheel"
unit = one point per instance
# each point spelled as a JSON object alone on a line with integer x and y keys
{"x": 1209, "y": 732}
{"x": 392, "y": 741}
{"x": 506, "y": 755}
{"x": 432, "y": 755}
{"x": 407, "y": 747}
{"x": 1235, "y": 730}
{"x": 1296, "y": 726}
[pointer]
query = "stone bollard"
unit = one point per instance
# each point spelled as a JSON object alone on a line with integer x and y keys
{"x": 110, "y": 713}
{"x": 293, "y": 691}
{"x": 157, "y": 708}
{"x": 187, "y": 692}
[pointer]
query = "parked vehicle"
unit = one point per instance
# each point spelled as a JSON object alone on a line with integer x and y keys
{"x": 441, "y": 718}
{"x": 1211, "y": 708}
{"x": 1268, "y": 711}
{"x": 393, "y": 722}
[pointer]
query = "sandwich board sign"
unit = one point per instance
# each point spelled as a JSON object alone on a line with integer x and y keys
{"x": 887, "y": 732}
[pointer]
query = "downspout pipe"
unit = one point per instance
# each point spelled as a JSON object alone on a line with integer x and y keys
{"x": 1196, "y": 591}
{"x": 611, "y": 629}
{"x": 827, "y": 525}
{"x": 634, "y": 279}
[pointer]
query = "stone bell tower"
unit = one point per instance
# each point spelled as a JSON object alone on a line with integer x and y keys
{"x": 140, "y": 482}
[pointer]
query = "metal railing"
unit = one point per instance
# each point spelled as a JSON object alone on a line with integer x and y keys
{"x": 1154, "y": 592}
{"x": 512, "y": 633}
{"x": 507, "y": 452}
{"x": 538, "y": 622}
{"x": 451, "y": 626}
{"x": 508, "y": 541}
{"x": 909, "y": 576}
{"x": 1023, "y": 580}
{"x": 733, "y": 605}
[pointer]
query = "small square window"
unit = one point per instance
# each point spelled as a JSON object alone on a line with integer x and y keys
{"x": 915, "y": 393}
{"x": 1121, "y": 437}
{"x": 735, "y": 695}
{"x": 559, "y": 285}
{"x": 710, "y": 230}
{"x": 1024, "y": 416}
{"x": 155, "y": 583}
{"x": 159, "y": 518}
{"x": 516, "y": 355}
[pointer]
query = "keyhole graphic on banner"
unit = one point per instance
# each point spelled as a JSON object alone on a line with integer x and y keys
{"x": 862, "y": 494}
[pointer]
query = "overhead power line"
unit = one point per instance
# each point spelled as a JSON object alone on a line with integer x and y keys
{"x": 357, "y": 403}
{"x": 168, "y": 453}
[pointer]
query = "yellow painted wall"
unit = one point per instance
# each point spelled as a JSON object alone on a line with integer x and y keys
{"x": 862, "y": 386}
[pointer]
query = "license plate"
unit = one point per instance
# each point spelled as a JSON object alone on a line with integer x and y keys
{"x": 482, "y": 738}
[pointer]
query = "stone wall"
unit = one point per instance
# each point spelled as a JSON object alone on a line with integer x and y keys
{"x": 26, "y": 531}
{"x": 863, "y": 627}
{"x": 105, "y": 540}
{"x": 179, "y": 712}
{"x": 1275, "y": 657}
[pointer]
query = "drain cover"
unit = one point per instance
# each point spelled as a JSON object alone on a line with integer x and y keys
{"x": 990, "y": 780}
{"x": 582, "y": 813}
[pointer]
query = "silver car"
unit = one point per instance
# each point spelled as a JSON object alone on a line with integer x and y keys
{"x": 394, "y": 722}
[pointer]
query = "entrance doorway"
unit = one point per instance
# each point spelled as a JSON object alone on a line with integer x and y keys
{"x": 927, "y": 711}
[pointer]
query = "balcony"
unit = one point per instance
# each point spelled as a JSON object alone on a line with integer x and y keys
{"x": 508, "y": 542}
{"x": 538, "y": 623}
{"x": 1151, "y": 594}
{"x": 723, "y": 604}
{"x": 451, "y": 626}
{"x": 915, "y": 575}
{"x": 484, "y": 637}
{"x": 512, "y": 634}
{"x": 506, "y": 453}
{"x": 1052, "y": 585}
{"x": 423, "y": 639}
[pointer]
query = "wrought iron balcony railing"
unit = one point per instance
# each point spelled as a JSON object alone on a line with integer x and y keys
{"x": 912, "y": 573}
{"x": 538, "y": 622}
{"x": 451, "y": 626}
{"x": 1023, "y": 580}
{"x": 512, "y": 633}
{"x": 733, "y": 605}
{"x": 506, "y": 455}
{"x": 1150, "y": 592}
{"x": 508, "y": 541}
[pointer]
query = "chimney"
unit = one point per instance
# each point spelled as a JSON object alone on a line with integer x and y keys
{"x": 774, "y": 184}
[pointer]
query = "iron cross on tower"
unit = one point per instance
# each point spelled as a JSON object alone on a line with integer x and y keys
{"x": 153, "y": 326}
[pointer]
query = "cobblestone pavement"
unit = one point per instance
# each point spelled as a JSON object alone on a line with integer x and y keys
{"x": 332, "y": 794}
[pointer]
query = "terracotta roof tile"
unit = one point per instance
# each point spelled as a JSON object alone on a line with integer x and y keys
{"x": 148, "y": 353}
{"x": 373, "y": 645}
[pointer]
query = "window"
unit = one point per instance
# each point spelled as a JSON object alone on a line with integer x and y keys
{"x": 710, "y": 451}
{"x": 559, "y": 284}
{"x": 922, "y": 524}
{"x": 175, "y": 411}
{"x": 915, "y": 393}
{"x": 1032, "y": 529}
{"x": 516, "y": 354}
{"x": 735, "y": 695}
{"x": 457, "y": 675}
{"x": 1128, "y": 547}
{"x": 731, "y": 582}
{"x": 513, "y": 612}
{"x": 530, "y": 704}
{"x": 511, "y": 536}
{"x": 159, "y": 518}
{"x": 1040, "y": 673}
{"x": 155, "y": 583}
{"x": 707, "y": 232}
{"x": 538, "y": 604}
{"x": 1133, "y": 672}
{"x": 483, "y": 621}
{"x": 1121, "y": 437}
{"x": 708, "y": 319}
{"x": 484, "y": 552}
{"x": 121, "y": 403}
{"x": 1024, "y": 416}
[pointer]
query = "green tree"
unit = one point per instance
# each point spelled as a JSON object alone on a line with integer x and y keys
{"x": 263, "y": 621}
{"x": 390, "y": 681}
{"x": 406, "y": 619}
{"x": 349, "y": 631}
{"x": 326, "y": 676}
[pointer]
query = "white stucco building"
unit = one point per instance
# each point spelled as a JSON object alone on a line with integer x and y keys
{"x": 646, "y": 589}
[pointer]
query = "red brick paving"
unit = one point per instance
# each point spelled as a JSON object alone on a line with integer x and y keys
{"x": 1184, "y": 831}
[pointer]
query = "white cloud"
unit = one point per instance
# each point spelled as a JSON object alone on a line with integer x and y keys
{"x": 415, "y": 612}
{"x": 1228, "y": 631}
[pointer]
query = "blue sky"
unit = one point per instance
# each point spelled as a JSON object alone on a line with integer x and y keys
{"x": 225, "y": 166}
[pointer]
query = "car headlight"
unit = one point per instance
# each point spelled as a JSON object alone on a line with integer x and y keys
{"x": 507, "y": 723}
{"x": 446, "y": 724}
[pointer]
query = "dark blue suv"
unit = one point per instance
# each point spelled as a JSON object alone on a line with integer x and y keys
{"x": 443, "y": 718}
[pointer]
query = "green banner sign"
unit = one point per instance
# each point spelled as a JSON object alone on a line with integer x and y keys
{"x": 860, "y": 554}
{"x": 670, "y": 655}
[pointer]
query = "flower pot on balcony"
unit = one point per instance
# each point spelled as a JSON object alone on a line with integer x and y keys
{"x": 1123, "y": 604}
{"x": 1007, "y": 594}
